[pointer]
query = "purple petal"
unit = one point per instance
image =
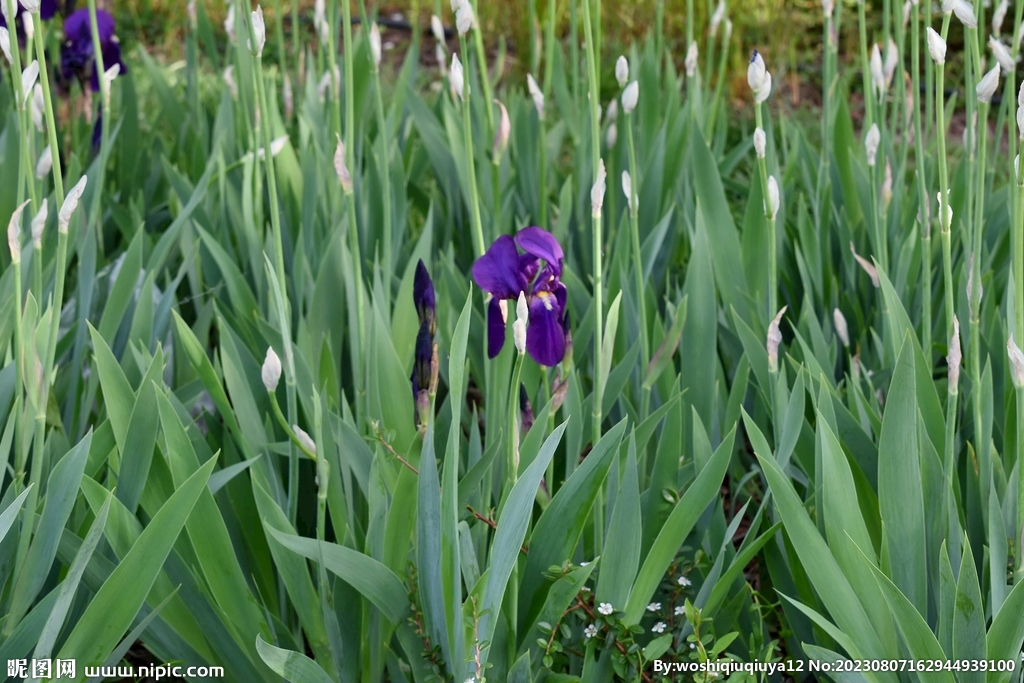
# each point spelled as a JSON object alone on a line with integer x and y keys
{"x": 47, "y": 8}
{"x": 423, "y": 293}
{"x": 542, "y": 244}
{"x": 77, "y": 26}
{"x": 495, "y": 329}
{"x": 545, "y": 338}
{"x": 497, "y": 271}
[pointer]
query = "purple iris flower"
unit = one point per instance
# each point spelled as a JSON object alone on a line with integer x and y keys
{"x": 76, "y": 57}
{"x": 47, "y": 8}
{"x": 505, "y": 273}
{"x": 423, "y": 297}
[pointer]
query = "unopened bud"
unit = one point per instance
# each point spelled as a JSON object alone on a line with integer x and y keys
{"x": 259, "y": 32}
{"x": 502, "y": 132}
{"x": 455, "y": 77}
{"x": 611, "y": 136}
{"x": 29, "y": 26}
{"x": 765, "y": 90}
{"x": 772, "y": 206}
{"x": 38, "y": 225}
{"x": 305, "y": 439}
{"x": 627, "y": 189}
{"x": 691, "y": 60}
{"x": 892, "y": 60}
{"x": 936, "y": 46}
{"x": 229, "y": 23}
{"x": 375, "y": 47}
{"x": 1016, "y": 363}
{"x": 229, "y": 81}
{"x": 963, "y": 10}
{"x": 341, "y": 168}
{"x": 437, "y": 28}
{"x": 756, "y": 72}
{"x": 597, "y": 191}
{"x": 14, "y": 233}
{"x": 28, "y": 82}
{"x": 70, "y": 204}
{"x": 45, "y": 163}
{"x": 1002, "y": 54}
{"x": 954, "y": 357}
{"x": 987, "y": 85}
{"x": 998, "y": 15}
{"x": 718, "y": 16}
{"x": 519, "y": 326}
{"x": 271, "y": 372}
{"x": 622, "y": 71}
{"x": 464, "y": 18}
{"x": 760, "y": 142}
{"x": 842, "y": 330}
{"x": 868, "y": 267}
{"x": 630, "y": 96}
{"x": 536, "y": 94}
{"x": 877, "y": 70}
{"x": 871, "y": 142}
{"x": 945, "y": 211}
{"x": 887, "y": 185}
{"x": 774, "y": 339}
{"x": 5, "y": 44}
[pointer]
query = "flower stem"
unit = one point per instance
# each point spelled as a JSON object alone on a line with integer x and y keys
{"x": 940, "y": 122}
{"x": 762, "y": 167}
{"x": 924, "y": 218}
{"x": 638, "y": 268}
{"x": 385, "y": 165}
{"x": 467, "y": 138}
{"x": 869, "y": 95}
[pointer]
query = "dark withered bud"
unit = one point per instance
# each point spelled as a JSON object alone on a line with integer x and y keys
{"x": 567, "y": 328}
{"x": 559, "y": 390}
{"x": 423, "y": 297}
{"x": 525, "y": 409}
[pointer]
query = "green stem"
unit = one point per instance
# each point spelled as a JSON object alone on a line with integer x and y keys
{"x": 385, "y": 164}
{"x": 638, "y": 269}
{"x": 920, "y": 172}
{"x": 467, "y": 138}
{"x": 762, "y": 167}
{"x": 869, "y": 95}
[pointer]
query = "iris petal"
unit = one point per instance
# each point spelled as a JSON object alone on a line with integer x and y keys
{"x": 497, "y": 271}
{"x": 541, "y": 244}
{"x": 77, "y": 27}
{"x": 495, "y": 329}
{"x": 545, "y": 338}
{"x": 423, "y": 293}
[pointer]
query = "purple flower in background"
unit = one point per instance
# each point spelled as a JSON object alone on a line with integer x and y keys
{"x": 504, "y": 273}
{"x": 47, "y": 9}
{"x": 76, "y": 57}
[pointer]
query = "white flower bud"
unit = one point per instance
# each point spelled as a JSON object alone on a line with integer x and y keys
{"x": 987, "y": 85}
{"x": 5, "y": 44}
{"x": 28, "y": 81}
{"x": 271, "y": 372}
{"x": 892, "y": 60}
{"x": 1016, "y": 363}
{"x": 456, "y": 4}
{"x": 503, "y": 307}
{"x": 455, "y": 77}
{"x": 936, "y": 46}
{"x": 842, "y": 331}
{"x": 871, "y": 142}
{"x": 877, "y": 73}
{"x": 728, "y": 29}
{"x": 39, "y": 224}
{"x": 14, "y": 233}
{"x": 288, "y": 97}
{"x": 632, "y": 200}
{"x": 622, "y": 71}
{"x": 1002, "y": 54}
{"x": 691, "y": 60}
{"x": 630, "y": 96}
{"x": 827, "y": 7}
{"x": 947, "y": 219}
{"x": 45, "y": 163}
{"x": 375, "y": 47}
{"x": 464, "y": 18}
{"x": 31, "y": 5}
{"x": 773, "y": 198}
{"x": 259, "y": 32}
{"x": 760, "y": 142}
{"x": 504, "y": 129}
{"x": 305, "y": 439}
{"x": 437, "y": 28}
{"x": 597, "y": 191}
{"x": 907, "y": 6}
{"x": 229, "y": 23}
{"x": 954, "y": 357}
{"x": 341, "y": 169}
{"x": 519, "y": 326}
{"x": 193, "y": 15}
{"x": 70, "y": 204}
{"x": 611, "y": 136}
{"x": 536, "y": 94}
{"x": 999, "y": 15}
{"x": 229, "y": 81}
{"x": 718, "y": 16}
{"x": 756, "y": 71}
{"x": 765, "y": 90}
{"x": 29, "y": 26}
{"x": 1020, "y": 121}
{"x": 868, "y": 267}
{"x": 612, "y": 112}
{"x": 320, "y": 23}
{"x": 442, "y": 58}
{"x": 963, "y": 10}
{"x": 36, "y": 106}
{"x": 774, "y": 339}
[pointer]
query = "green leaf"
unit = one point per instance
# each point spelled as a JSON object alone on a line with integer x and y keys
{"x": 619, "y": 565}
{"x": 969, "y": 617}
{"x": 8, "y": 516}
{"x": 139, "y": 442}
{"x": 662, "y": 358}
{"x": 1006, "y": 634}
{"x": 293, "y": 666}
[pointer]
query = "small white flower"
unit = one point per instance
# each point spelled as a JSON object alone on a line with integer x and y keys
{"x": 341, "y": 168}
{"x": 28, "y": 81}
{"x": 622, "y": 71}
{"x": 999, "y": 15}
{"x": 892, "y": 60}
{"x": 29, "y": 26}
{"x": 871, "y": 142}
{"x": 45, "y": 163}
{"x": 597, "y": 191}
{"x": 762, "y": 93}
{"x": 842, "y": 331}
{"x": 1002, "y": 54}
{"x": 774, "y": 340}
{"x": 14, "y": 233}
{"x": 375, "y": 46}
{"x": 464, "y": 18}
{"x": 305, "y": 439}
{"x": 654, "y": 607}
{"x": 519, "y": 326}
{"x": 229, "y": 81}
{"x": 536, "y": 94}
{"x": 630, "y": 96}
{"x": 684, "y": 582}
{"x": 936, "y": 46}
{"x": 606, "y": 608}
{"x": 611, "y": 136}
{"x": 760, "y": 142}
{"x": 259, "y": 31}
{"x": 271, "y": 372}
{"x": 590, "y": 631}
{"x": 954, "y": 357}
{"x": 964, "y": 11}
{"x": 772, "y": 206}
{"x": 691, "y": 60}
{"x": 437, "y": 28}
{"x": 659, "y": 627}
{"x": 627, "y": 189}
{"x": 455, "y": 77}
{"x": 1016, "y": 363}
{"x": 5, "y": 44}
{"x": 718, "y": 16}
{"x": 877, "y": 72}
{"x": 679, "y": 611}
{"x": 229, "y": 23}
{"x": 70, "y": 204}
{"x": 987, "y": 85}
{"x": 39, "y": 224}
{"x": 756, "y": 71}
